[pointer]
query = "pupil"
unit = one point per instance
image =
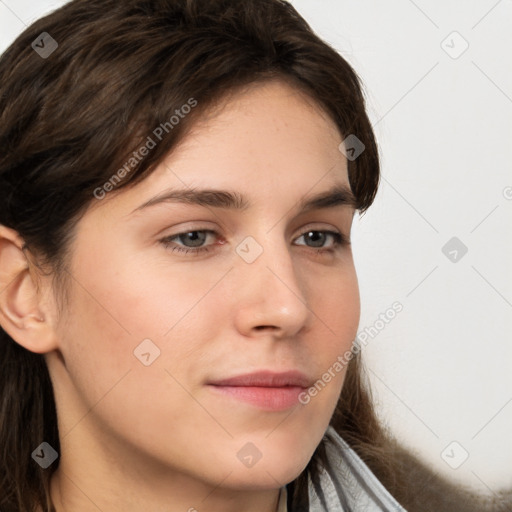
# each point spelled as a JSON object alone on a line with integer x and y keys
{"x": 318, "y": 235}
{"x": 196, "y": 238}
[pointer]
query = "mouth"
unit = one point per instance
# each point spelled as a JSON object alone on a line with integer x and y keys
{"x": 265, "y": 389}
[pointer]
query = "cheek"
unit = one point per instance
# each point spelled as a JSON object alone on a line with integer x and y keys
{"x": 108, "y": 317}
{"x": 96, "y": 345}
{"x": 115, "y": 306}
{"x": 336, "y": 302}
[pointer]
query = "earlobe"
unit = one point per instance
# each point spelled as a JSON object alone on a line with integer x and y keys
{"x": 22, "y": 315}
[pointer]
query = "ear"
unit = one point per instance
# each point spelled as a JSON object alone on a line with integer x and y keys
{"x": 24, "y": 314}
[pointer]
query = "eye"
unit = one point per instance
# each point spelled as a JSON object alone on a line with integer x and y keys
{"x": 192, "y": 241}
{"x": 195, "y": 238}
{"x": 318, "y": 237}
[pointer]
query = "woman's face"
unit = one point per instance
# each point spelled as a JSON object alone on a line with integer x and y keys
{"x": 151, "y": 330}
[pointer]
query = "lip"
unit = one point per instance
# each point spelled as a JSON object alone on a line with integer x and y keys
{"x": 266, "y": 390}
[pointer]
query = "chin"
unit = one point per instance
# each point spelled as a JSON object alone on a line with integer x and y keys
{"x": 277, "y": 470}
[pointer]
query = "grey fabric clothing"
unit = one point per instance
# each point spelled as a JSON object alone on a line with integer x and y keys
{"x": 347, "y": 484}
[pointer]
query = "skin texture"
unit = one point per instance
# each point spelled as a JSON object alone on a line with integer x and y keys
{"x": 136, "y": 437}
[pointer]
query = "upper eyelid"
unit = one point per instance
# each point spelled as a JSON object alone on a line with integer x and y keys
{"x": 313, "y": 226}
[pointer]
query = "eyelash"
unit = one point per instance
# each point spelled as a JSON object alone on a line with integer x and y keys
{"x": 340, "y": 241}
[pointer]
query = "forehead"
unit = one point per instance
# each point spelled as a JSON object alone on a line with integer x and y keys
{"x": 268, "y": 139}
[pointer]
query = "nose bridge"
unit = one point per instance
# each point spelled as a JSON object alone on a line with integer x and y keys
{"x": 272, "y": 294}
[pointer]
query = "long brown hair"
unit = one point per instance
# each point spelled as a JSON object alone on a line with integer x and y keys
{"x": 71, "y": 116}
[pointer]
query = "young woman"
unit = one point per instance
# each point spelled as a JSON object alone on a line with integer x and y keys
{"x": 178, "y": 299}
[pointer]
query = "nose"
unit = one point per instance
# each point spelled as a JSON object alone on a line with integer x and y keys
{"x": 271, "y": 297}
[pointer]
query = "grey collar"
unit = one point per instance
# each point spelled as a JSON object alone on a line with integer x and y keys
{"x": 347, "y": 483}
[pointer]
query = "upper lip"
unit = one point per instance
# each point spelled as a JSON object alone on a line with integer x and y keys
{"x": 267, "y": 379}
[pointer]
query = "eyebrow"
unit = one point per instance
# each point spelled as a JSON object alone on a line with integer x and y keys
{"x": 338, "y": 195}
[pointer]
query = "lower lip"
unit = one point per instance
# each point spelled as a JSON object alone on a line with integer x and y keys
{"x": 270, "y": 399}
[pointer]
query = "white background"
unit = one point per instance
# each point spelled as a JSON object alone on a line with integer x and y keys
{"x": 441, "y": 370}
